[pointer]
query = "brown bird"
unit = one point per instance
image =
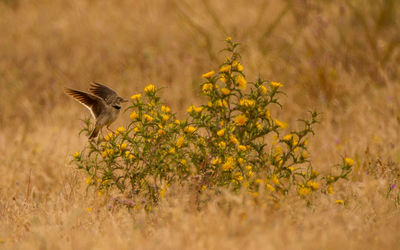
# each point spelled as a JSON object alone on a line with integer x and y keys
{"x": 103, "y": 102}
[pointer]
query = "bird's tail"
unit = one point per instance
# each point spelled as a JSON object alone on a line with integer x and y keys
{"x": 94, "y": 133}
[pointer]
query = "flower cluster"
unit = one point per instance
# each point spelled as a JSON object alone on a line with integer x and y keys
{"x": 232, "y": 141}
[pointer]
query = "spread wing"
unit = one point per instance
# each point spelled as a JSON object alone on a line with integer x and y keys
{"x": 94, "y": 103}
{"x": 103, "y": 91}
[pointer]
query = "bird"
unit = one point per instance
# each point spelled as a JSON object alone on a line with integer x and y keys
{"x": 103, "y": 102}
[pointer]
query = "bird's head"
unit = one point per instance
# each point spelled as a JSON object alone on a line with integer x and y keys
{"x": 118, "y": 102}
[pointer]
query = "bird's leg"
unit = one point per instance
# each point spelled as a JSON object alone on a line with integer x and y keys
{"x": 100, "y": 137}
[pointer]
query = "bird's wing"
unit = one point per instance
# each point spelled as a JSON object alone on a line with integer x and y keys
{"x": 94, "y": 103}
{"x": 104, "y": 92}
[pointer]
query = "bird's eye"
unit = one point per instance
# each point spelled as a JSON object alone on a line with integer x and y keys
{"x": 116, "y": 107}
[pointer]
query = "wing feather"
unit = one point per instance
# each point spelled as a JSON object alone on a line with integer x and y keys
{"x": 94, "y": 103}
{"x": 106, "y": 93}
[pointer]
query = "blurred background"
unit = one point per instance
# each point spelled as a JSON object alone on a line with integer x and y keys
{"x": 340, "y": 58}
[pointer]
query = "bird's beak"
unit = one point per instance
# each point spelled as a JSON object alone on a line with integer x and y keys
{"x": 123, "y": 100}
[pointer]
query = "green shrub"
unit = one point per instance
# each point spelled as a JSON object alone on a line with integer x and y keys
{"x": 231, "y": 142}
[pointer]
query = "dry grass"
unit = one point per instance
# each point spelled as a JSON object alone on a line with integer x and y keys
{"x": 340, "y": 57}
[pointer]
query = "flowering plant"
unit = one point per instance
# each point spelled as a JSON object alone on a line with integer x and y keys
{"x": 232, "y": 141}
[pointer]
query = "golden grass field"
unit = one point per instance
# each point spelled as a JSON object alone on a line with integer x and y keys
{"x": 339, "y": 57}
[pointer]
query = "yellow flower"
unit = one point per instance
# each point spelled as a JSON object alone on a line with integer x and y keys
{"x": 108, "y": 137}
{"x": 180, "y": 141}
{"x": 209, "y": 104}
{"x": 304, "y": 190}
{"x": 100, "y": 192}
{"x": 183, "y": 162}
{"x": 161, "y": 132}
{"x": 228, "y": 165}
{"x": 150, "y": 88}
{"x": 304, "y": 155}
{"x": 233, "y": 139}
{"x": 242, "y": 148}
{"x": 268, "y": 114}
{"x": 240, "y": 160}
{"x": 177, "y": 122}
{"x": 165, "y": 109}
{"x": 246, "y": 102}
{"x": 223, "y": 78}
{"x": 276, "y": 84}
{"x": 313, "y": 184}
{"x": 121, "y": 129}
{"x": 76, "y": 155}
{"x": 259, "y": 126}
{"x": 128, "y": 154}
{"x": 340, "y": 202}
{"x": 162, "y": 192}
{"x": 349, "y": 161}
{"x": 104, "y": 154}
{"x": 110, "y": 151}
{"x": 105, "y": 182}
{"x": 88, "y": 180}
{"x": 207, "y": 88}
{"x": 165, "y": 117}
{"x": 133, "y": 115}
{"x": 241, "y": 82}
{"x": 238, "y": 66}
{"x": 221, "y": 132}
{"x": 136, "y": 97}
{"x": 89, "y": 209}
{"x": 204, "y": 187}
{"x": 195, "y": 109}
{"x": 198, "y": 109}
{"x": 225, "y": 68}
{"x": 172, "y": 151}
{"x": 228, "y": 39}
{"x": 275, "y": 179}
{"x": 216, "y": 161}
{"x": 270, "y": 187}
{"x": 208, "y": 74}
{"x": 225, "y": 91}
{"x": 241, "y": 120}
{"x": 280, "y": 124}
{"x": 238, "y": 176}
{"x": 330, "y": 189}
{"x": 123, "y": 146}
{"x": 222, "y": 145}
{"x": 148, "y": 118}
{"x": 263, "y": 90}
{"x": 291, "y": 138}
{"x": 189, "y": 129}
